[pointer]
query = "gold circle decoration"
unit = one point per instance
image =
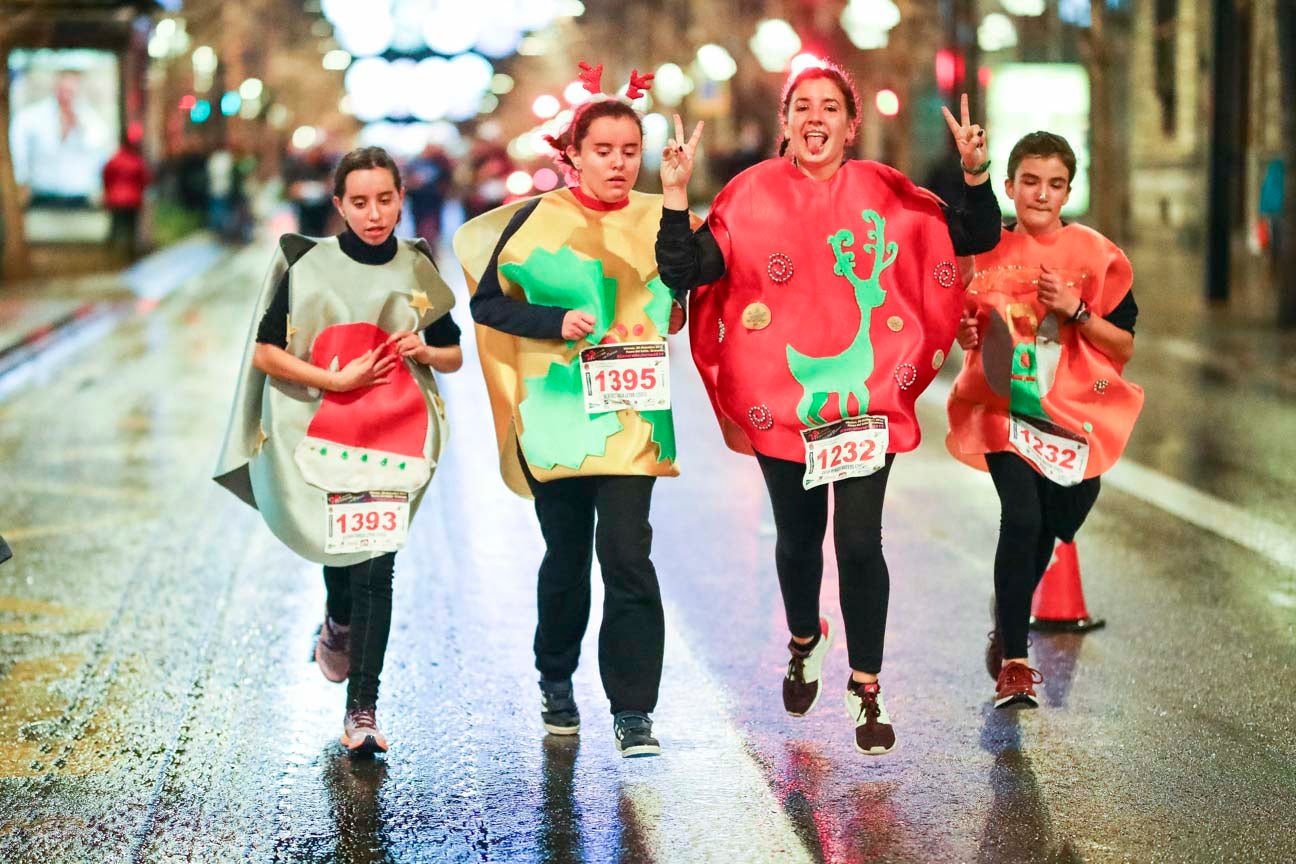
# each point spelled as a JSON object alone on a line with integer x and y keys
{"x": 756, "y": 316}
{"x": 938, "y": 359}
{"x": 896, "y": 323}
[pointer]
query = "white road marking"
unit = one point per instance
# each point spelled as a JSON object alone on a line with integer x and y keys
{"x": 702, "y": 751}
{"x": 1180, "y": 500}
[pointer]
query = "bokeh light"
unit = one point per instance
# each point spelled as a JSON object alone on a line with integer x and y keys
{"x": 545, "y": 106}
{"x": 518, "y": 183}
{"x": 304, "y": 137}
{"x": 545, "y": 179}
{"x": 804, "y": 61}
{"x": 774, "y": 43}
{"x": 887, "y": 102}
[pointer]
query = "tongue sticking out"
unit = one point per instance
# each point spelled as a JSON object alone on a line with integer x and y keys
{"x": 815, "y": 144}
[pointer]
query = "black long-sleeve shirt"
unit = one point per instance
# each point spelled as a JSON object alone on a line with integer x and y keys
{"x": 273, "y": 329}
{"x": 495, "y": 309}
{"x": 688, "y": 258}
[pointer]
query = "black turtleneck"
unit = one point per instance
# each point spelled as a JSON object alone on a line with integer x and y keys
{"x": 367, "y": 253}
{"x": 273, "y": 328}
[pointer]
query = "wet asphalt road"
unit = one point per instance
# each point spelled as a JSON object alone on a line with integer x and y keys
{"x": 157, "y": 702}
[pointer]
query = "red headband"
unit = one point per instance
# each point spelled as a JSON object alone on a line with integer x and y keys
{"x": 591, "y": 78}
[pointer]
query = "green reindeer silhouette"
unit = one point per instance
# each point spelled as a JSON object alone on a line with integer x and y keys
{"x": 845, "y": 373}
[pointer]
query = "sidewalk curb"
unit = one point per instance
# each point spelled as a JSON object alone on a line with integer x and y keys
{"x": 148, "y": 279}
{"x": 30, "y": 341}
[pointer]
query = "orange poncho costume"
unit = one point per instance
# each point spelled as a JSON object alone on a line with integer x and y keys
{"x": 1031, "y": 364}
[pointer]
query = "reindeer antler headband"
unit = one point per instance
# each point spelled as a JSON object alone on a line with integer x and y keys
{"x": 591, "y": 77}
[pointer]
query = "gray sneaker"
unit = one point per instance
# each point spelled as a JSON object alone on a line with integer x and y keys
{"x": 558, "y": 709}
{"x": 633, "y": 731}
{"x": 360, "y": 732}
{"x": 333, "y": 651}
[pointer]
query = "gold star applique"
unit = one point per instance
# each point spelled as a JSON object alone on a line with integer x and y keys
{"x": 292, "y": 331}
{"x": 262, "y": 438}
{"x": 420, "y": 303}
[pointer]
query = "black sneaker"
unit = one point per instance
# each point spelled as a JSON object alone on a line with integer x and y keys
{"x": 558, "y": 709}
{"x": 633, "y": 730}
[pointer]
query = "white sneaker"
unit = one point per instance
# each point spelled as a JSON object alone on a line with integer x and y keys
{"x": 805, "y": 668}
{"x": 873, "y": 733}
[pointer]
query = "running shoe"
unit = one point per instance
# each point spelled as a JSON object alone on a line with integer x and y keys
{"x": 360, "y": 733}
{"x": 993, "y": 654}
{"x": 805, "y": 668}
{"x": 333, "y": 651}
{"x": 1016, "y": 686}
{"x": 558, "y": 709}
{"x": 633, "y": 731}
{"x": 873, "y": 733}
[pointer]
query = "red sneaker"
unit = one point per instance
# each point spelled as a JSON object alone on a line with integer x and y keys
{"x": 1016, "y": 685}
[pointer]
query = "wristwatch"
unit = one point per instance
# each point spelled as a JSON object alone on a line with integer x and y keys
{"x": 1081, "y": 315}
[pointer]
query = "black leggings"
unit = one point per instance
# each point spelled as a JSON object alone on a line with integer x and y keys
{"x": 1035, "y": 512}
{"x": 801, "y": 518}
{"x": 632, "y": 635}
{"x": 360, "y": 596}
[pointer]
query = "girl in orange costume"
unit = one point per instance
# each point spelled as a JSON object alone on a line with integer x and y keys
{"x": 1040, "y": 403}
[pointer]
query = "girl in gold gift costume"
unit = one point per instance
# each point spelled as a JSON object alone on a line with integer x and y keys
{"x": 551, "y": 276}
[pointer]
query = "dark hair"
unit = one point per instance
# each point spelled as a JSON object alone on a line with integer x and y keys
{"x": 833, "y": 73}
{"x": 1042, "y": 144}
{"x": 362, "y": 159}
{"x": 585, "y": 116}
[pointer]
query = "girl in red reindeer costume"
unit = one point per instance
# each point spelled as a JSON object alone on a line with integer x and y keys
{"x": 826, "y": 300}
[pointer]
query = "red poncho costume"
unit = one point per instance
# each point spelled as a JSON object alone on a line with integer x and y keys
{"x": 840, "y": 298}
{"x": 1029, "y": 364}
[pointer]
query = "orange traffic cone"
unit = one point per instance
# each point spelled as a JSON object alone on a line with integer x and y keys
{"x": 1059, "y": 603}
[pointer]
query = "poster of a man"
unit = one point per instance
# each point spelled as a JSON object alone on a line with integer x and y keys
{"x": 65, "y": 124}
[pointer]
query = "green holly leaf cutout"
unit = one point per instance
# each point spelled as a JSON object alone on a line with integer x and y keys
{"x": 557, "y": 431}
{"x": 566, "y": 280}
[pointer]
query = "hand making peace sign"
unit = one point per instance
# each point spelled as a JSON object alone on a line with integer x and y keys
{"x": 677, "y": 158}
{"x": 968, "y": 137}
